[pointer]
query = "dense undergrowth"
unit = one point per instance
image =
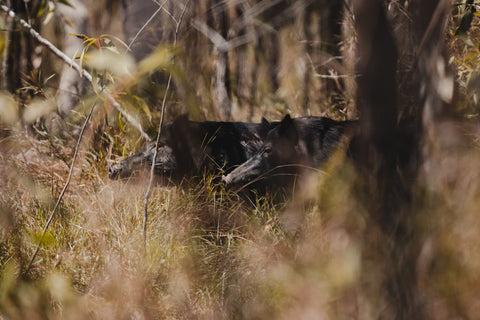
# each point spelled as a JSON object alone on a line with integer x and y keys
{"x": 209, "y": 253}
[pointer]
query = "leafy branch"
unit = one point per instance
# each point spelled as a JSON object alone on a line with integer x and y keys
{"x": 74, "y": 65}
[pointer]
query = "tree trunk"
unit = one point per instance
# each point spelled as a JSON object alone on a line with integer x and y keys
{"x": 388, "y": 157}
{"x": 20, "y": 48}
{"x": 222, "y": 101}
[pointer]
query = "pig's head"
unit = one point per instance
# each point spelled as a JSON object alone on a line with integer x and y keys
{"x": 278, "y": 150}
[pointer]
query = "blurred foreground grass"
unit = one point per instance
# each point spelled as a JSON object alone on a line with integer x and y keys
{"x": 209, "y": 255}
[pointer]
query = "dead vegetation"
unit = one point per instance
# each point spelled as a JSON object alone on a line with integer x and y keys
{"x": 209, "y": 254}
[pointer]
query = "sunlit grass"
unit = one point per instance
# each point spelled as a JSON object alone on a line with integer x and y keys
{"x": 214, "y": 254}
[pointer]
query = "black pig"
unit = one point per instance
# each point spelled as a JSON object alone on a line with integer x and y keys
{"x": 190, "y": 148}
{"x": 290, "y": 147}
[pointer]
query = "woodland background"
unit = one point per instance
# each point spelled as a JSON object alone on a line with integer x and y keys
{"x": 390, "y": 235}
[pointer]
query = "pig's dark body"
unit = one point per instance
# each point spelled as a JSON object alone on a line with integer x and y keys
{"x": 189, "y": 148}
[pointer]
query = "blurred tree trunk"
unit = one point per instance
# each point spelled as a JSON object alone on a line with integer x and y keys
{"x": 72, "y": 87}
{"x": 323, "y": 33}
{"x": 264, "y": 47}
{"x": 310, "y": 49}
{"x": 222, "y": 99}
{"x": 388, "y": 158}
{"x": 241, "y": 58}
{"x": 330, "y": 36}
{"x": 20, "y": 47}
{"x": 135, "y": 15}
{"x": 269, "y": 45}
{"x": 7, "y": 63}
{"x": 144, "y": 29}
{"x": 429, "y": 29}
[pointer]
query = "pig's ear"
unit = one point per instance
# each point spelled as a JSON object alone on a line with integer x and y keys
{"x": 287, "y": 129}
{"x": 287, "y": 120}
{"x": 180, "y": 124}
{"x": 167, "y": 133}
{"x": 185, "y": 132}
{"x": 265, "y": 122}
{"x": 172, "y": 129}
{"x": 181, "y": 120}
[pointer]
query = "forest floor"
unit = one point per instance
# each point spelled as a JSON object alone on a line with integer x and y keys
{"x": 210, "y": 255}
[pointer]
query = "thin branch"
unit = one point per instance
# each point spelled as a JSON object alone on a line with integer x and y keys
{"x": 74, "y": 65}
{"x": 170, "y": 15}
{"x": 47, "y": 43}
{"x": 328, "y": 76}
{"x": 52, "y": 214}
{"x": 331, "y": 76}
{"x": 218, "y": 41}
{"x": 150, "y": 183}
{"x": 145, "y": 25}
{"x": 226, "y": 45}
{"x": 252, "y": 12}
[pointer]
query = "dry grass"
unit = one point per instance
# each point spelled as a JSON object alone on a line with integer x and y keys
{"x": 211, "y": 256}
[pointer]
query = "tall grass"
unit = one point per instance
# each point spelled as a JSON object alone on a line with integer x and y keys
{"x": 211, "y": 254}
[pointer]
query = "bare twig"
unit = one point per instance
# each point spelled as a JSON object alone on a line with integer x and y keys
{"x": 331, "y": 75}
{"x": 60, "y": 197}
{"x": 74, "y": 65}
{"x": 47, "y": 43}
{"x": 170, "y": 15}
{"x": 150, "y": 183}
{"x": 248, "y": 16}
{"x": 254, "y": 11}
{"x": 224, "y": 45}
{"x": 218, "y": 41}
{"x": 145, "y": 25}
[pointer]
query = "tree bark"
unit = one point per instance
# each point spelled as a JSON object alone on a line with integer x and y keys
{"x": 20, "y": 48}
{"x": 222, "y": 101}
{"x": 388, "y": 158}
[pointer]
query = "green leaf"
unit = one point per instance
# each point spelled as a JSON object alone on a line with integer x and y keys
{"x": 42, "y": 8}
{"x": 120, "y": 122}
{"x": 142, "y": 105}
{"x": 79, "y": 35}
{"x": 95, "y": 81}
{"x": 65, "y": 2}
